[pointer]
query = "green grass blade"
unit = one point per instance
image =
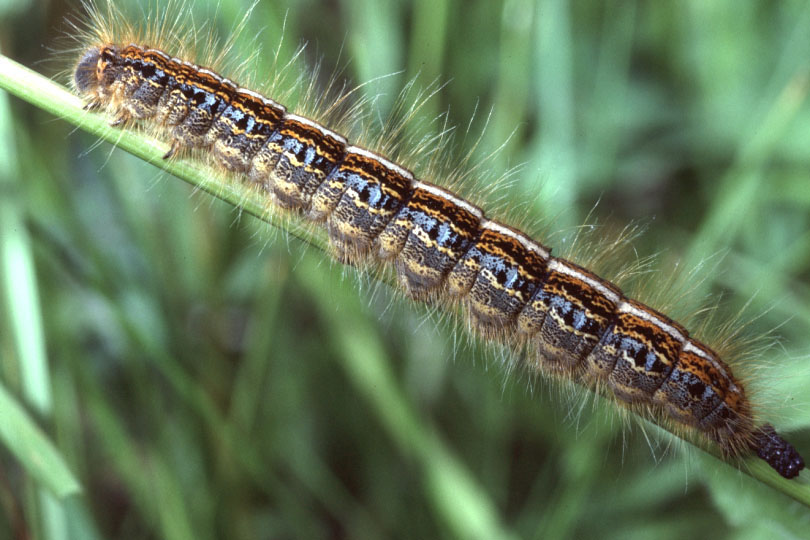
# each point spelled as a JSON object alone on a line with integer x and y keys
{"x": 21, "y": 435}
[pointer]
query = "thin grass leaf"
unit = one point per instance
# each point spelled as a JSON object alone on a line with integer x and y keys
{"x": 26, "y": 441}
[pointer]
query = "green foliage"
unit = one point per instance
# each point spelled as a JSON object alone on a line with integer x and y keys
{"x": 208, "y": 377}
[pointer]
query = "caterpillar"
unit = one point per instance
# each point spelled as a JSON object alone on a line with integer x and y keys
{"x": 443, "y": 249}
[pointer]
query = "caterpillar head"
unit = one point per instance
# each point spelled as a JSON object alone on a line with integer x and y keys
{"x": 95, "y": 71}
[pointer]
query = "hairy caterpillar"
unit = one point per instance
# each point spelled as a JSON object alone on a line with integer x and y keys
{"x": 443, "y": 248}
{"x": 448, "y": 71}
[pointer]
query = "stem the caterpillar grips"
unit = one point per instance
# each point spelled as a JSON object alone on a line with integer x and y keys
{"x": 443, "y": 248}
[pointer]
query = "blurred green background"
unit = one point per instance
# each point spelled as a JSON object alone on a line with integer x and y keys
{"x": 209, "y": 377}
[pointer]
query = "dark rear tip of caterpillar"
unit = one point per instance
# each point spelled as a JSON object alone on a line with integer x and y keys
{"x": 777, "y": 452}
{"x": 86, "y": 76}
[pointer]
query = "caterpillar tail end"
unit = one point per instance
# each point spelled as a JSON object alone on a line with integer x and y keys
{"x": 777, "y": 452}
